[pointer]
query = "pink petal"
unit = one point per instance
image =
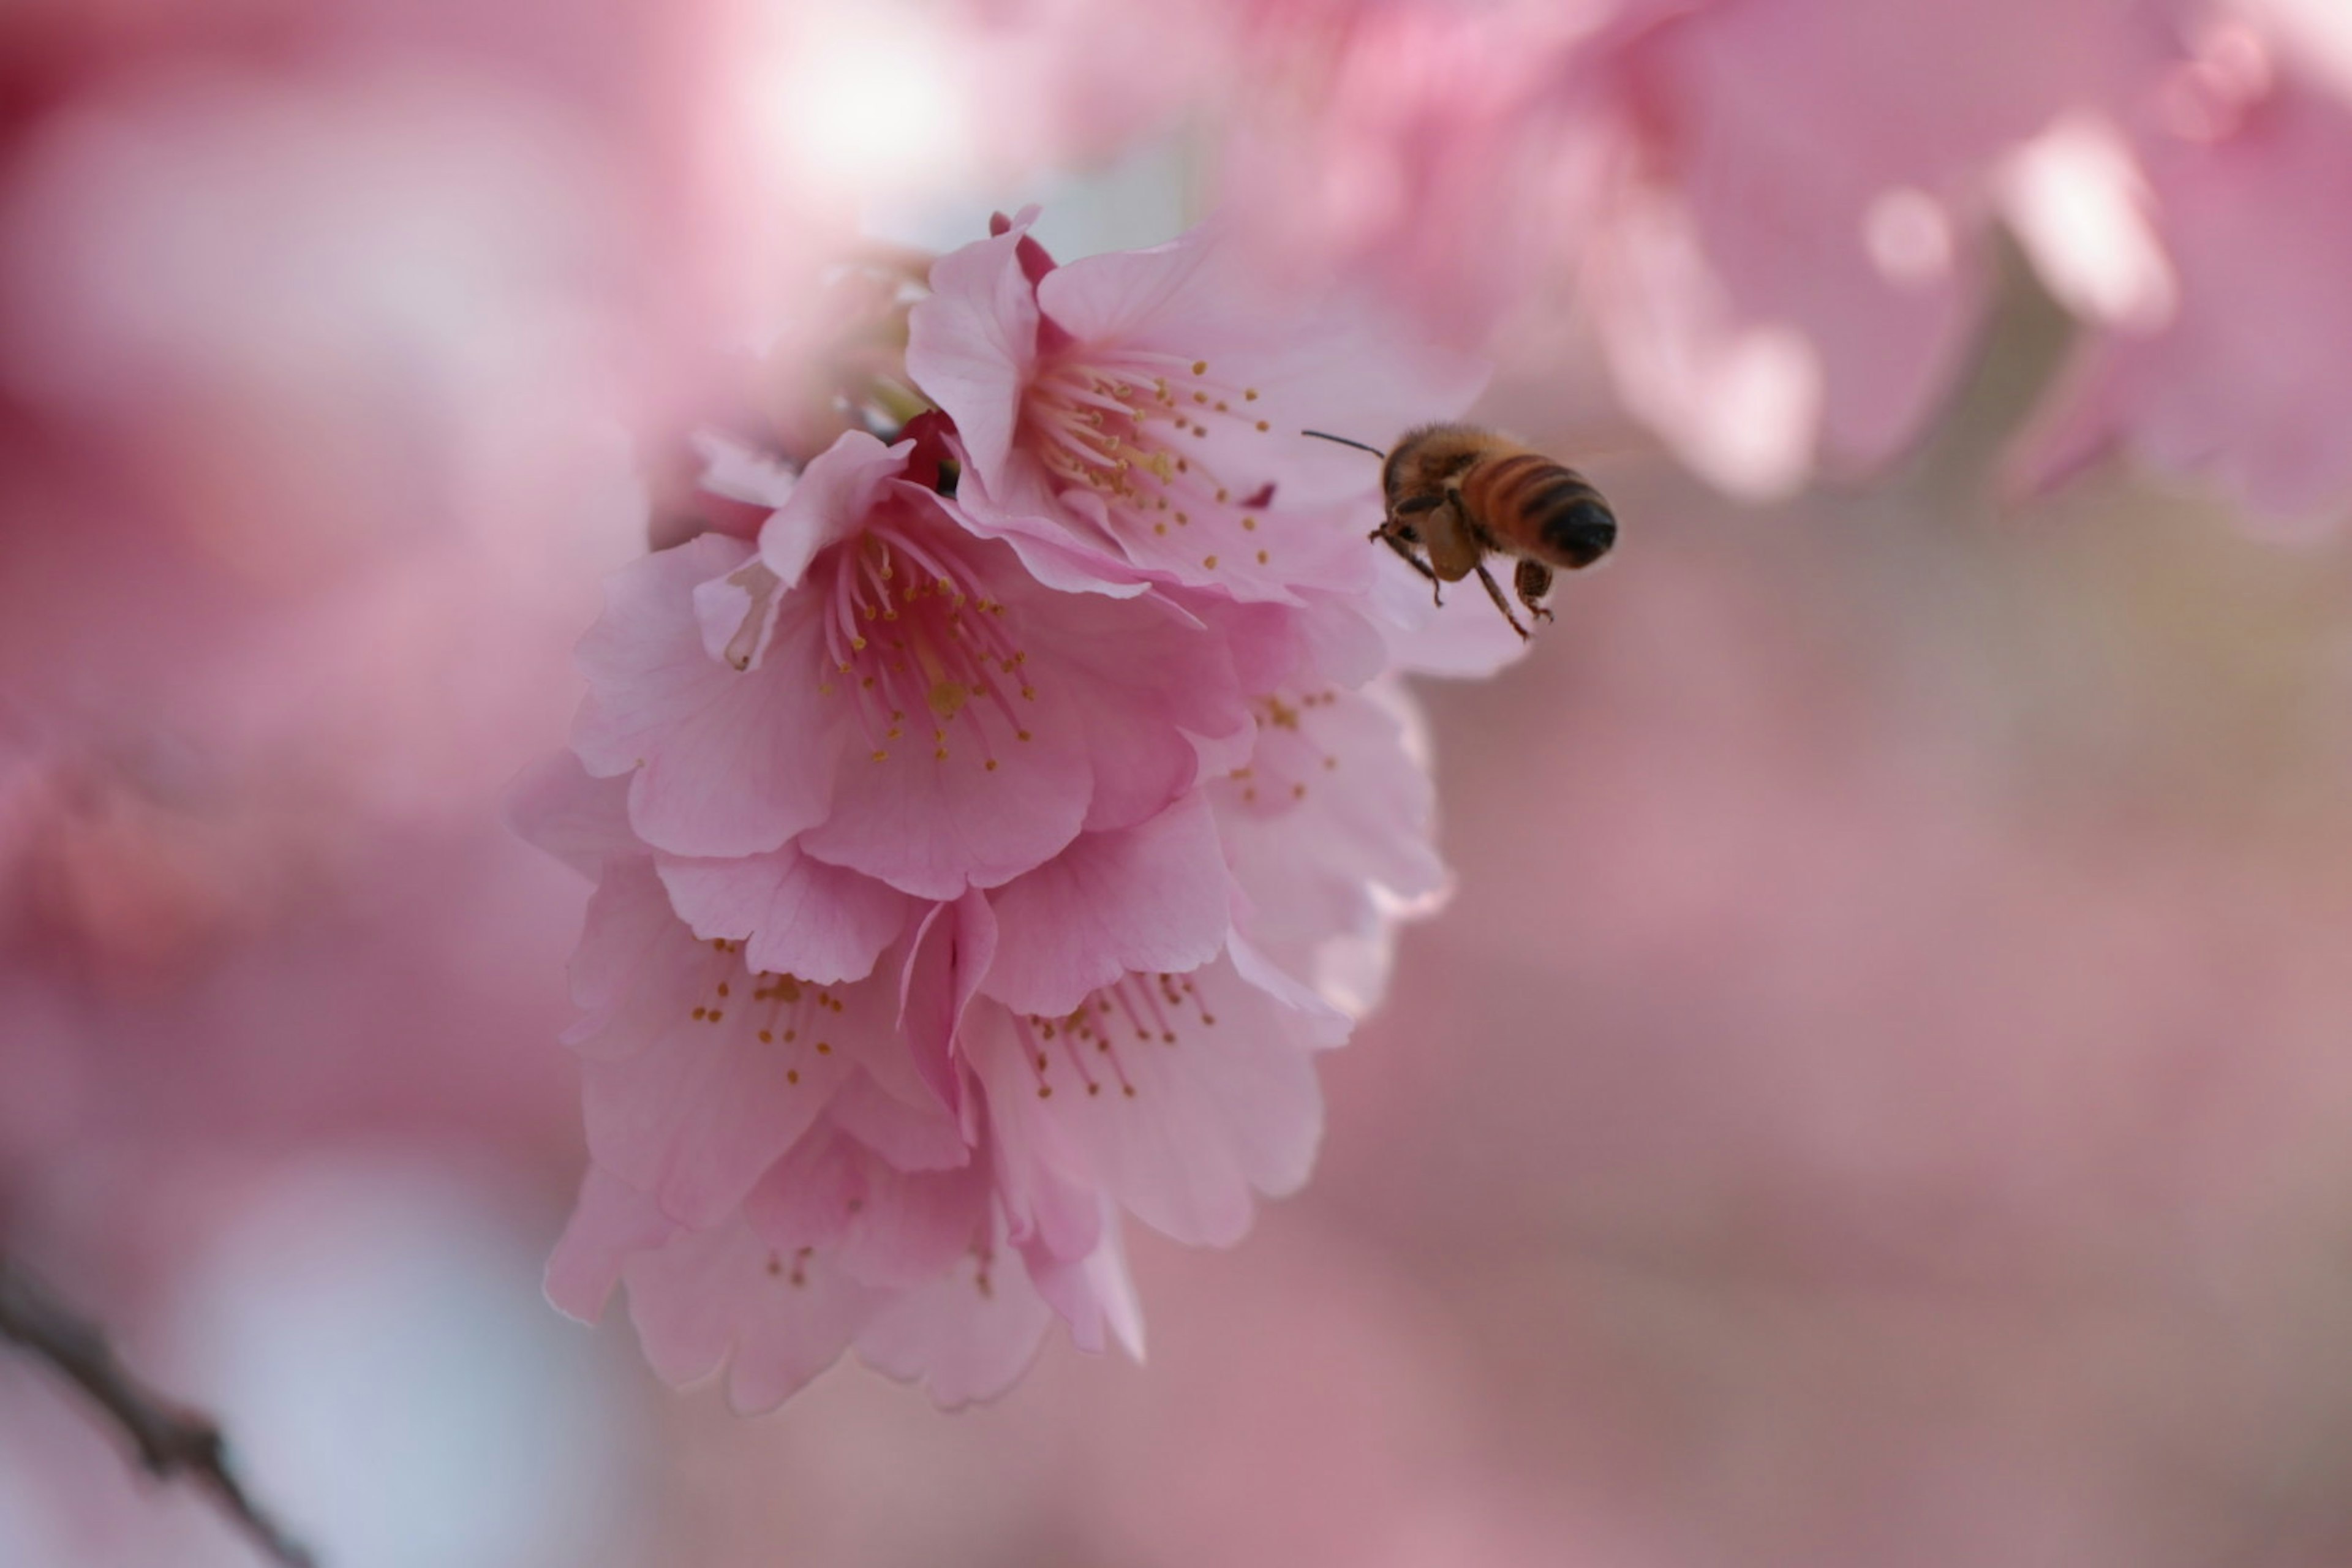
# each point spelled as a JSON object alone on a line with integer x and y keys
{"x": 1463, "y": 637}
{"x": 954, "y": 943}
{"x": 750, "y": 760}
{"x": 1121, "y": 295}
{"x": 911, "y": 1134}
{"x": 972, "y": 343}
{"x": 706, "y": 1299}
{"x": 1047, "y": 1213}
{"x": 696, "y": 1116}
{"x": 1146, "y": 681}
{"x": 795, "y": 915}
{"x": 1338, "y": 364}
{"x": 1331, "y": 832}
{"x": 580, "y": 820}
{"x": 1229, "y": 1106}
{"x": 683, "y": 1300}
{"x": 629, "y": 951}
{"x": 933, "y": 827}
{"x": 870, "y": 1221}
{"x": 1019, "y": 506}
{"x": 1092, "y": 1294}
{"x": 809, "y": 1198}
{"x": 643, "y": 658}
{"x": 728, "y": 762}
{"x": 796, "y": 1327}
{"x": 611, "y": 1221}
{"x": 836, "y": 491}
{"x": 1144, "y": 899}
{"x": 965, "y": 1336}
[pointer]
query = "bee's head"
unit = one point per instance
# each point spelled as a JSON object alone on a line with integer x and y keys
{"x": 1426, "y": 457}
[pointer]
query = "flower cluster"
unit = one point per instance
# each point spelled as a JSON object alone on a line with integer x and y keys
{"x": 985, "y": 849}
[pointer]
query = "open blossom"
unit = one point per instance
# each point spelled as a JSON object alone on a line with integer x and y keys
{"x": 872, "y": 689}
{"x": 1137, "y": 407}
{"x": 971, "y": 875}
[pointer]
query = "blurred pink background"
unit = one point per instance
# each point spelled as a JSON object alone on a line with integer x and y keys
{"x": 1881, "y": 1093}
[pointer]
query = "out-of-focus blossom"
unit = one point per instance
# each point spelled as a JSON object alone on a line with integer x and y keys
{"x": 971, "y": 874}
{"x": 1426, "y": 148}
{"x": 1834, "y": 159}
{"x": 1771, "y": 213}
{"x": 2245, "y": 160}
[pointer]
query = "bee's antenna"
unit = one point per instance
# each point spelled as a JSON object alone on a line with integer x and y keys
{"x": 1320, "y": 436}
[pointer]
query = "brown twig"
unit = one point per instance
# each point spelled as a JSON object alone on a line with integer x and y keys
{"x": 171, "y": 1439}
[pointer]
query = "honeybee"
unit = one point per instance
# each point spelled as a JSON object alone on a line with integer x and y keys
{"x": 1457, "y": 493}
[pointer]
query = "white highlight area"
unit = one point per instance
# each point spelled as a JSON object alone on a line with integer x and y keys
{"x": 2077, "y": 202}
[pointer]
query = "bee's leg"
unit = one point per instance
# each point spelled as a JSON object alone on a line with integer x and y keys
{"x": 1495, "y": 592}
{"x": 1533, "y": 580}
{"x": 1387, "y": 537}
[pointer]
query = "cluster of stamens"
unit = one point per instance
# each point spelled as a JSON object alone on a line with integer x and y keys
{"x": 916, "y": 645}
{"x": 790, "y": 1011}
{"x": 1116, "y": 422}
{"x": 1135, "y": 1012}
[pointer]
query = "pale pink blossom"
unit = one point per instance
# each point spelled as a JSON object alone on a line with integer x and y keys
{"x": 875, "y": 690}
{"x": 1144, "y": 409}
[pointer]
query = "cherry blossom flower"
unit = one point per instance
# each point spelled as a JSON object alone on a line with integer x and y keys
{"x": 1137, "y": 408}
{"x": 875, "y": 690}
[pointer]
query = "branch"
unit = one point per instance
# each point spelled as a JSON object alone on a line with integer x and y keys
{"x": 172, "y": 1440}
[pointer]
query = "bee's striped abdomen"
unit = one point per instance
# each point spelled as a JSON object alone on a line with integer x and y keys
{"x": 1537, "y": 507}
